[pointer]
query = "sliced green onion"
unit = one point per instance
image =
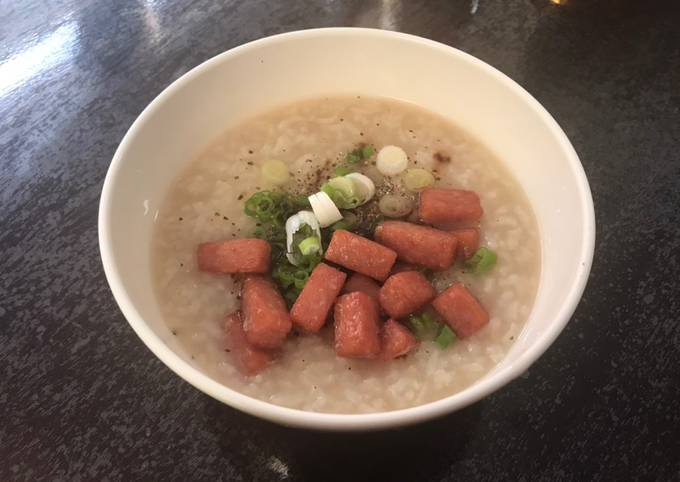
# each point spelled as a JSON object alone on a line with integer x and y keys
{"x": 299, "y": 228}
{"x": 395, "y": 206}
{"x": 342, "y": 170}
{"x": 353, "y": 158}
{"x": 275, "y": 172}
{"x": 325, "y": 210}
{"x": 417, "y": 179}
{"x": 270, "y": 207}
{"x": 359, "y": 154}
{"x": 342, "y": 192}
{"x": 292, "y": 279}
{"x": 445, "y": 338}
{"x": 367, "y": 151}
{"x": 363, "y": 185}
{"x": 343, "y": 184}
{"x": 309, "y": 245}
{"x": 391, "y": 160}
{"x": 301, "y": 201}
{"x": 429, "y": 321}
{"x": 424, "y": 326}
{"x": 482, "y": 261}
{"x": 417, "y": 326}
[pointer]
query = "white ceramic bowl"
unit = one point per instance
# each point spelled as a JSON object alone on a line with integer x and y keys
{"x": 251, "y": 78}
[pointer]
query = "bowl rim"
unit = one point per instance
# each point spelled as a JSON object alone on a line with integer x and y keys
{"x": 334, "y": 421}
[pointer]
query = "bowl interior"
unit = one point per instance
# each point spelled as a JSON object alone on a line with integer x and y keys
{"x": 255, "y": 77}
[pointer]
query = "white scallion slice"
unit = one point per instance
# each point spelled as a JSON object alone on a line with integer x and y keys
{"x": 293, "y": 225}
{"x": 275, "y": 172}
{"x": 391, "y": 160}
{"x": 364, "y": 186}
{"x": 325, "y": 210}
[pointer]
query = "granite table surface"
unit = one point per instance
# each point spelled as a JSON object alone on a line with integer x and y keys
{"x": 81, "y": 398}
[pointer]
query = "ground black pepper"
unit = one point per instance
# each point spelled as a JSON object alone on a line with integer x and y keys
{"x": 443, "y": 158}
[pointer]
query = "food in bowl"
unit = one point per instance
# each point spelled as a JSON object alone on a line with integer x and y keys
{"x": 346, "y": 255}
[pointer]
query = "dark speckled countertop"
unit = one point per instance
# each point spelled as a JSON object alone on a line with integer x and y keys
{"x": 81, "y": 398}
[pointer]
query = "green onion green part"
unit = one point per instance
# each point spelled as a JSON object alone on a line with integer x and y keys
{"x": 482, "y": 261}
{"x": 291, "y": 279}
{"x": 342, "y": 192}
{"x": 424, "y": 326}
{"x": 309, "y": 245}
{"x": 342, "y": 170}
{"x": 273, "y": 207}
{"x": 445, "y": 338}
{"x": 359, "y": 154}
{"x": 367, "y": 151}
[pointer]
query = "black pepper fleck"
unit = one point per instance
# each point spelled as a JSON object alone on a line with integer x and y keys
{"x": 174, "y": 332}
{"x": 250, "y": 151}
{"x": 240, "y": 196}
{"x": 439, "y": 157}
{"x": 181, "y": 218}
{"x": 250, "y": 163}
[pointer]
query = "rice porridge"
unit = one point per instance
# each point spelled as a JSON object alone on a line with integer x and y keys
{"x": 207, "y": 203}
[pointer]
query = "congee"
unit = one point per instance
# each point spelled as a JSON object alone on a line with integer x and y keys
{"x": 346, "y": 255}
